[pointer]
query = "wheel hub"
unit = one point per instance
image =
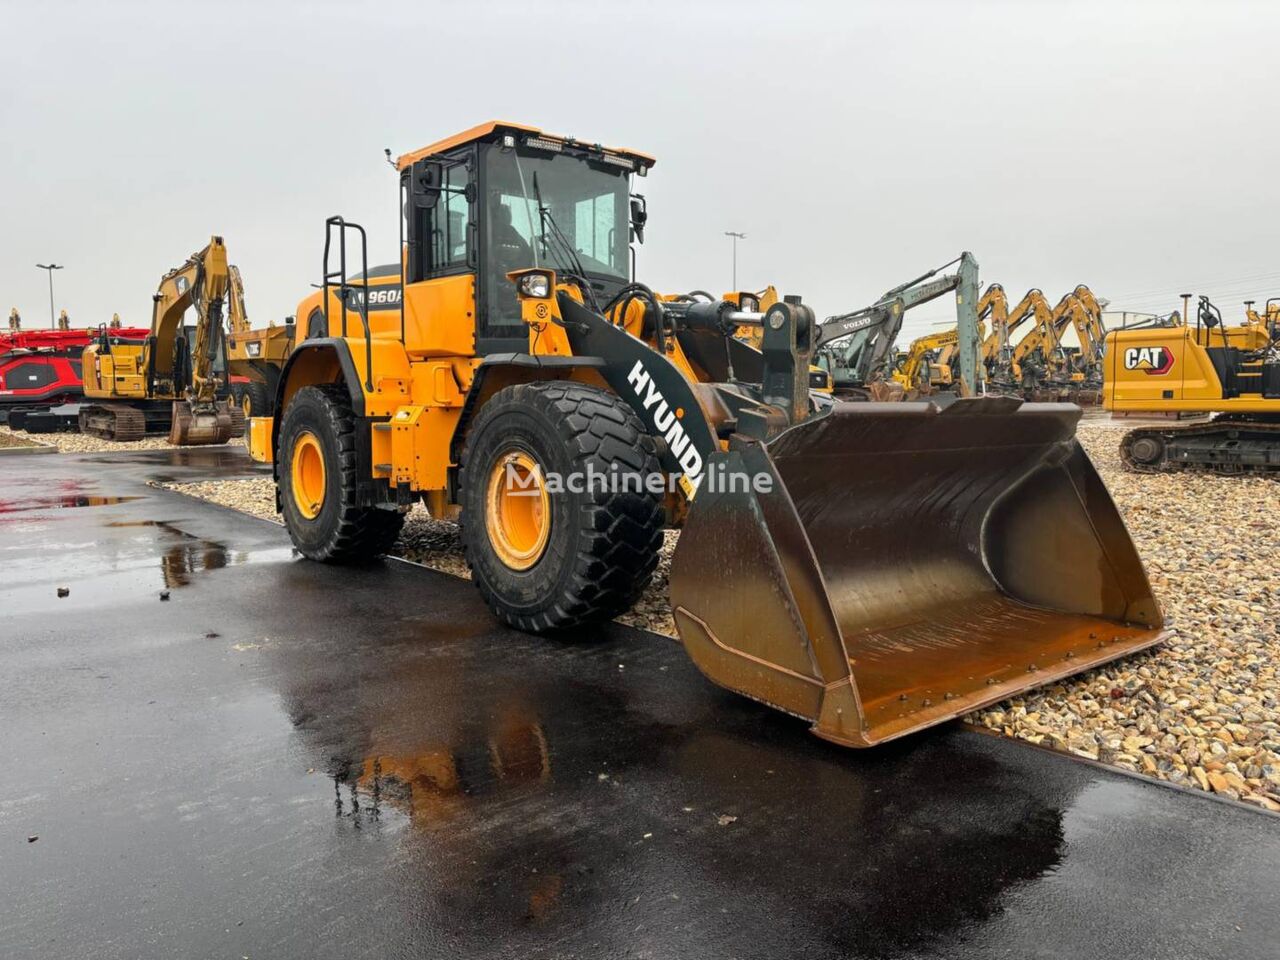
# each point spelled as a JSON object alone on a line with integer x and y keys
{"x": 308, "y": 475}
{"x": 517, "y": 510}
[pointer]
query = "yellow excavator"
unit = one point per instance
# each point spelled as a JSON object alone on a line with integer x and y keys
{"x": 1053, "y": 371}
{"x": 175, "y": 379}
{"x": 927, "y": 366}
{"x": 1179, "y": 369}
{"x": 998, "y": 347}
{"x": 873, "y": 568}
{"x": 1039, "y": 360}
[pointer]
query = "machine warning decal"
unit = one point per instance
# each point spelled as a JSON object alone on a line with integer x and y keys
{"x": 1152, "y": 361}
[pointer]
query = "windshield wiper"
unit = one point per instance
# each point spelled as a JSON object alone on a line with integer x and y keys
{"x": 568, "y": 255}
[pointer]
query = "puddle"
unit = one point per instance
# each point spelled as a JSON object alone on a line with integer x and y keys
{"x": 59, "y": 503}
{"x": 438, "y": 784}
{"x": 188, "y": 553}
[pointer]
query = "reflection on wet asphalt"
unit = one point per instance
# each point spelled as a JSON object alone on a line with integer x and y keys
{"x": 187, "y": 554}
{"x": 54, "y": 503}
{"x": 301, "y": 761}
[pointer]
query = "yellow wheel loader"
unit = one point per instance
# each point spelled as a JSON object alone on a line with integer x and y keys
{"x": 1178, "y": 369}
{"x": 873, "y": 568}
{"x": 175, "y": 379}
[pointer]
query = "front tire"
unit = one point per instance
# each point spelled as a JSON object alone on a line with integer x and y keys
{"x": 559, "y": 558}
{"x": 319, "y": 480}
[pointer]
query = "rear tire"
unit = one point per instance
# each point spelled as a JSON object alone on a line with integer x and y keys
{"x": 602, "y": 545}
{"x": 253, "y": 402}
{"x": 325, "y": 522}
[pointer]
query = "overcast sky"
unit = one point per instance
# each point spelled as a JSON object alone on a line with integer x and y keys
{"x": 1131, "y": 146}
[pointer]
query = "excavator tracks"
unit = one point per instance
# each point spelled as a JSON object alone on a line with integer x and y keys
{"x": 1224, "y": 445}
{"x": 113, "y": 421}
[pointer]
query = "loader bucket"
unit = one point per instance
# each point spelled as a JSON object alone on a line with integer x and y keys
{"x": 200, "y": 425}
{"x": 909, "y": 563}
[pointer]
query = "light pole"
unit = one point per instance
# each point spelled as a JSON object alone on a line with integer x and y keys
{"x": 736, "y": 237}
{"x": 50, "y": 267}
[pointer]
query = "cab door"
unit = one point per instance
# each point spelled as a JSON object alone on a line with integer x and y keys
{"x": 440, "y": 295}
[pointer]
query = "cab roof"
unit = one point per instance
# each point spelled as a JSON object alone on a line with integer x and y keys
{"x": 493, "y": 128}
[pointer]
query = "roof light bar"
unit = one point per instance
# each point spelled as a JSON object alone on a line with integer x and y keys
{"x": 624, "y": 162}
{"x": 542, "y": 143}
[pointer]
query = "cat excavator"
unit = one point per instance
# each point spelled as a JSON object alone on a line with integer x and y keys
{"x": 1181, "y": 369}
{"x": 174, "y": 379}
{"x": 875, "y": 568}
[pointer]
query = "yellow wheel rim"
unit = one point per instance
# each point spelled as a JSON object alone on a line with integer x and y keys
{"x": 246, "y": 404}
{"x": 517, "y": 510}
{"x": 307, "y": 472}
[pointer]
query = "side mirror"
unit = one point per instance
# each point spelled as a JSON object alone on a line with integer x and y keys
{"x": 639, "y": 216}
{"x": 425, "y": 177}
{"x": 1209, "y": 315}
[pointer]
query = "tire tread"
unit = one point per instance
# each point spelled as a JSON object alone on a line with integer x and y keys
{"x": 620, "y": 533}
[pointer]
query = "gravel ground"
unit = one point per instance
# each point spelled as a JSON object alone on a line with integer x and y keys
{"x": 79, "y": 443}
{"x": 10, "y": 439}
{"x": 1202, "y": 710}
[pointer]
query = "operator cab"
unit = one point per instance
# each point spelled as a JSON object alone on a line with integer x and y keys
{"x": 503, "y": 197}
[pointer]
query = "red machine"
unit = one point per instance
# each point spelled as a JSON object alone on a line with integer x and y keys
{"x": 41, "y": 368}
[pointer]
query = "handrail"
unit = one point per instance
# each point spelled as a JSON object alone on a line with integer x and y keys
{"x": 345, "y": 285}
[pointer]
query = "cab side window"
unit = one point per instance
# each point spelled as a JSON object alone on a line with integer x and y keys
{"x": 450, "y": 224}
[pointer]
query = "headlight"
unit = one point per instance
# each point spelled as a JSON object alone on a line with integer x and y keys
{"x": 748, "y": 303}
{"x": 536, "y": 286}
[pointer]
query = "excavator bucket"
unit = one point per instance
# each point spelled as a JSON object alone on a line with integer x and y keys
{"x": 883, "y": 567}
{"x": 195, "y": 426}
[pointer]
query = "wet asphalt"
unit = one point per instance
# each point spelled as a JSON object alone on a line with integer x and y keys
{"x": 289, "y": 760}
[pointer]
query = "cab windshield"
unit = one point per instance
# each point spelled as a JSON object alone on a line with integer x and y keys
{"x": 586, "y": 211}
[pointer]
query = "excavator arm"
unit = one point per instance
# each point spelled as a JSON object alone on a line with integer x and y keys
{"x": 872, "y": 331}
{"x": 1045, "y": 337}
{"x": 201, "y": 282}
{"x": 237, "y": 318}
{"x": 1088, "y": 325}
{"x": 205, "y": 282}
{"x": 998, "y": 347}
